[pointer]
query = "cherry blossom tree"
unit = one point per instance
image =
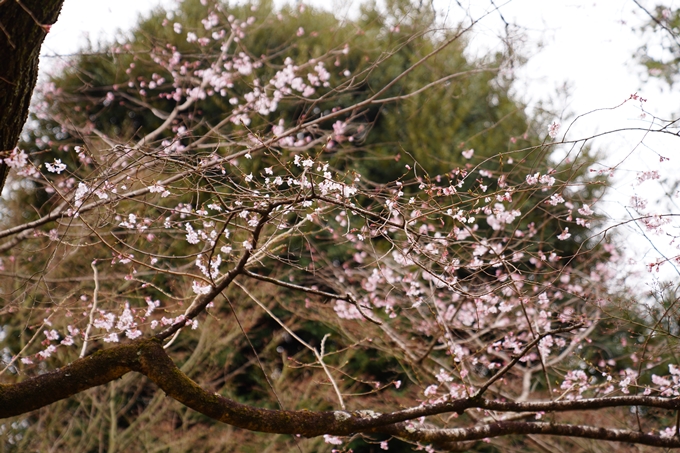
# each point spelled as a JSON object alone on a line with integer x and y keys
{"x": 439, "y": 311}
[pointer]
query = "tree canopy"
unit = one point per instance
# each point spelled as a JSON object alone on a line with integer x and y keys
{"x": 346, "y": 234}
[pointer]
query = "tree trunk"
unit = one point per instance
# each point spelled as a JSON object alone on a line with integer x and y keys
{"x": 23, "y": 27}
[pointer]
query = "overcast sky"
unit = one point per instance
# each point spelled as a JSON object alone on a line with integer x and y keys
{"x": 585, "y": 45}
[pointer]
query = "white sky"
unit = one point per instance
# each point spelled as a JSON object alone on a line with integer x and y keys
{"x": 585, "y": 45}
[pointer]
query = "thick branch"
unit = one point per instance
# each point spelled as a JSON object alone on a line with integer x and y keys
{"x": 91, "y": 371}
{"x": 149, "y": 358}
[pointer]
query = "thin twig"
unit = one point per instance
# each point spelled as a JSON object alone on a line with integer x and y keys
{"x": 319, "y": 357}
{"x": 517, "y": 357}
{"x": 92, "y": 310}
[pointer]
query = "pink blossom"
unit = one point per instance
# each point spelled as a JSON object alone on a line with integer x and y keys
{"x": 430, "y": 390}
{"x": 532, "y": 179}
{"x": 51, "y": 349}
{"x": 133, "y": 333}
{"x": 152, "y": 305}
{"x": 333, "y": 440}
{"x": 647, "y": 175}
{"x": 126, "y": 320}
{"x": 211, "y": 21}
{"x": 624, "y": 385}
{"x": 565, "y": 235}
{"x": 56, "y": 167}
{"x": 555, "y": 199}
{"x": 17, "y": 159}
{"x": 80, "y": 194}
{"x": 111, "y": 338}
{"x": 339, "y": 130}
{"x": 547, "y": 180}
{"x": 585, "y": 210}
{"x": 158, "y": 188}
{"x": 554, "y": 129}
{"x": 668, "y": 432}
{"x": 200, "y": 288}
{"x": 192, "y": 236}
{"x": 51, "y": 335}
{"x": 105, "y": 322}
{"x": 639, "y": 204}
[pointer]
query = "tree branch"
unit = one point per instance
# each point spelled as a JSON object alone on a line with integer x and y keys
{"x": 148, "y": 357}
{"x": 446, "y": 437}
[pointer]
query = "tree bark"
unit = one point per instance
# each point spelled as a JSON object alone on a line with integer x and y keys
{"x": 23, "y": 27}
